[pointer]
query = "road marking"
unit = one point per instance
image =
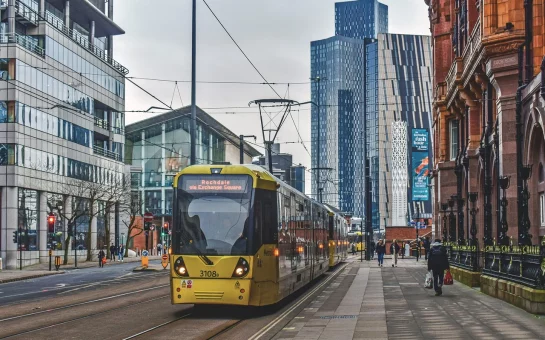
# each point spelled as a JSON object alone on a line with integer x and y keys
{"x": 86, "y": 286}
{"x": 83, "y": 303}
{"x": 273, "y": 323}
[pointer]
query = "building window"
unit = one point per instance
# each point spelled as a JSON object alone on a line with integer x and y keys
{"x": 27, "y": 230}
{"x": 454, "y": 138}
{"x": 542, "y": 208}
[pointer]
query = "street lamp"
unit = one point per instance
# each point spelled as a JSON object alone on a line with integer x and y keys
{"x": 505, "y": 182}
{"x": 473, "y": 232}
{"x": 444, "y": 207}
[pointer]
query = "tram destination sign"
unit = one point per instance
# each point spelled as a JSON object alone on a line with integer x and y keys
{"x": 215, "y": 185}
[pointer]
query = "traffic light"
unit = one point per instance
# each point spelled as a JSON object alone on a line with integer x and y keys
{"x": 146, "y": 226}
{"x": 51, "y": 223}
{"x": 15, "y": 236}
{"x": 165, "y": 228}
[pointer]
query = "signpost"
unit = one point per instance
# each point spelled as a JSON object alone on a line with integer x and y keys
{"x": 164, "y": 261}
{"x": 148, "y": 218}
{"x": 145, "y": 259}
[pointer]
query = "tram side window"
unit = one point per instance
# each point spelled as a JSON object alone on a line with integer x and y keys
{"x": 258, "y": 218}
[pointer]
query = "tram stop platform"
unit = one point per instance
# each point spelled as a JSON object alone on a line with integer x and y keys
{"x": 368, "y": 302}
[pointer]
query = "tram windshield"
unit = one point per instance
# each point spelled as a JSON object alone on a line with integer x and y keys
{"x": 214, "y": 213}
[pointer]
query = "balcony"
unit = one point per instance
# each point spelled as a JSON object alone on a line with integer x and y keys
{"x": 26, "y": 15}
{"x": 83, "y": 41}
{"x": 23, "y": 41}
{"x": 473, "y": 45}
{"x": 97, "y": 150}
{"x": 101, "y": 123}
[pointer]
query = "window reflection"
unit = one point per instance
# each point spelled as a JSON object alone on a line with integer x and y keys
{"x": 28, "y": 75}
{"x": 27, "y": 230}
{"x": 68, "y": 58}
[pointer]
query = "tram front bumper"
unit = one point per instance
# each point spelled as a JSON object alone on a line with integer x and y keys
{"x": 211, "y": 291}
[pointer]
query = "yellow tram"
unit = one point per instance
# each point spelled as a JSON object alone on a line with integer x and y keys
{"x": 243, "y": 237}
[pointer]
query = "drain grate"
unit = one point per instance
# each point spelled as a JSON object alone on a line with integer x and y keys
{"x": 338, "y": 317}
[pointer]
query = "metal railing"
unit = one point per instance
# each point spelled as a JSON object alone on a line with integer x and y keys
{"x": 521, "y": 264}
{"x": 84, "y": 42}
{"x": 98, "y": 150}
{"x": 26, "y": 12}
{"x": 466, "y": 257}
{"x": 101, "y": 123}
{"x": 23, "y": 41}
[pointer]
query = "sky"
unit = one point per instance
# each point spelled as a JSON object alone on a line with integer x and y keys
{"x": 276, "y": 36}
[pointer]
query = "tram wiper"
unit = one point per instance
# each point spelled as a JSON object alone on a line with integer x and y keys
{"x": 203, "y": 257}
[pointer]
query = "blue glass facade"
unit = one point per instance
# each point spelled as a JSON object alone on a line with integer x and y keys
{"x": 361, "y": 19}
{"x": 398, "y": 99}
{"x": 340, "y": 63}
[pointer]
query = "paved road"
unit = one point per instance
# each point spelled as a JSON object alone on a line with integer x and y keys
{"x": 115, "y": 303}
{"x": 71, "y": 281}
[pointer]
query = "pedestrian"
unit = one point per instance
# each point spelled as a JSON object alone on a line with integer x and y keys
{"x": 372, "y": 250}
{"x": 159, "y": 248}
{"x": 101, "y": 256}
{"x": 353, "y": 248}
{"x": 381, "y": 250}
{"x": 112, "y": 252}
{"x": 394, "y": 250}
{"x": 121, "y": 252}
{"x": 426, "y": 247}
{"x": 438, "y": 263}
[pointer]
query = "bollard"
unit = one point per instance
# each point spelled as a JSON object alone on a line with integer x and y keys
{"x": 50, "y": 253}
{"x": 57, "y": 262}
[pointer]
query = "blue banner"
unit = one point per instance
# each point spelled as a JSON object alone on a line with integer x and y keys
{"x": 420, "y": 165}
{"x": 420, "y": 140}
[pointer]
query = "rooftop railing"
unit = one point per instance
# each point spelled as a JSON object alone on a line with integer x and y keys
{"x": 23, "y": 41}
{"x": 83, "y": 41}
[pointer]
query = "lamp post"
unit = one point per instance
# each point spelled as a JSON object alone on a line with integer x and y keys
{"x": 473, "y": 231}
{"x": 452, "y": 219}
{"x": 524, "y": 224}
{"x": 242, "y": 146}
{"x": 444, "y": 208}
{"x": 505, "y": 182}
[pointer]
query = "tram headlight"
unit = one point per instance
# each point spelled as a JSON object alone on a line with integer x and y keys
{"x": 242, "y": 268}
{"x": 180, "y": 268}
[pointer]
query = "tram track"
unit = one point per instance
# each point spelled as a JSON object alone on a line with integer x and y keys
{"x": 26, "y": 332}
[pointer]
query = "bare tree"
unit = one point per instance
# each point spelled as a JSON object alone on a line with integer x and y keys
{"x": 84, "y": 196}
{"x": 133, "y": 209}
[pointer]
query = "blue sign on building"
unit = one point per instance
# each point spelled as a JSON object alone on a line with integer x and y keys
{"x": 420, "y": 164}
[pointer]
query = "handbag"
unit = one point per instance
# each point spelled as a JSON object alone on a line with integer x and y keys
{"x": 428, "y": 283}
{"x": 448, "y": 280}
{"x": 103, "y": 260}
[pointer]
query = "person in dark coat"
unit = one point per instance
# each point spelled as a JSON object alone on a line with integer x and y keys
{"x": 101, "y": 256}
{"x": 112, "y": 252}
{"x": 438, "y": 263}
{"x": 381, "y": 250}
{"x": 373, "y": 250}
{"x": 394, "y": 250}
{"x": 427, "y": 246}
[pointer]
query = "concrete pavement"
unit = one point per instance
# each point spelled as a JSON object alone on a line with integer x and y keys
{"x": 368, "y": 302}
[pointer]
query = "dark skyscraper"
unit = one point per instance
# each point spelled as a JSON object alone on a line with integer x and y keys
{"x": 337, "y": 126}
{"x": 361, "y": 19}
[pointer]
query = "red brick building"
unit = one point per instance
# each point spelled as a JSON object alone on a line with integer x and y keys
{"x": 483, "y": 51}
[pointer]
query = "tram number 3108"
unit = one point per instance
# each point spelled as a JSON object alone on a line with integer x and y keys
{"x": 209, "y": 273}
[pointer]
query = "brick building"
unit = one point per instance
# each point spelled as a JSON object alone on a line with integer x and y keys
{"x": 488, "y": 117}
{"x": 483, "y": 51}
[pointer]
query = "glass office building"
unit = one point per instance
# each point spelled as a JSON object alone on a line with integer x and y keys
{"x": 337, "y": 128}
{"x": 398, "y": 99}
{"x": 62, "y": 112}
{"x": 334, "y": 125}
{"x": 159, "y": 147}
{"x": 361, "y": 19}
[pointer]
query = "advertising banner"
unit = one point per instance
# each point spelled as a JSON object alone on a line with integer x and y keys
{"x": 420, "y": 165}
